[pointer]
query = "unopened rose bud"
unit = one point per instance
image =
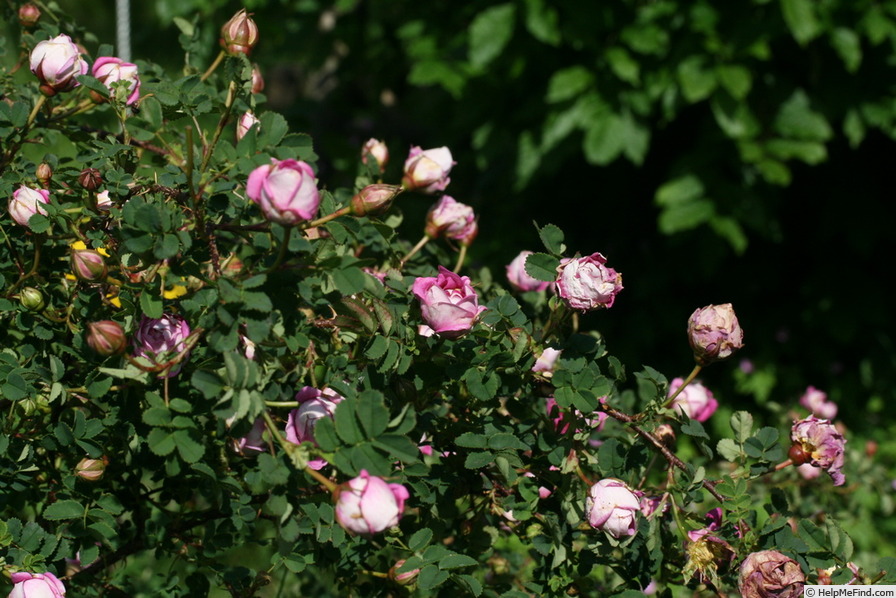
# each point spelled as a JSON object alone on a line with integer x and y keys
{"x": 368, "y": 504}
{"x": 88, "y": 265}
{"x": 427, "y": 171}
{"x": 90, "y": 469}
{"x": 770, "y": 573}
{"x": 257, "y": 79}
{"x": 36, "y": 585}
{"x": 44, "y": 173}
{"x": 56, "y": 62}
{"x": 714, "y": 333}
{"x": 32, "y": 299}
{"x": 29, "y": 15}
{"x": 374, "y": 199}
{"x": 376, "y": 149}
{"x": 26, "y": 202}
{"x": 240, "y": 34}
{"x": 245, "y": 124}
{"x": 405, "y": 578}
{"x": 90, "y": 179}
{"x": 106, "y": 337}
{"x": 109, "y": 70}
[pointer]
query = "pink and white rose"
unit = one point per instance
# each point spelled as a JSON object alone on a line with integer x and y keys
{"x": 519, "y": 279}
{"x": 378, "y": 151}
{"x": 695, "y": 400}
{"x": 285, "y": 190}
{"x": 368, "y": 504}
{"x": 612, "y": 507}
{"x": 427, "y": 170}
{"x": 26, "y": 202}
{"x": 314, "y": 405}
{"x": 56, "y": 62}
{"x": 161, "y": 340}
{"x": 586, "y": 283}
{"x": 816, "y": 401}
{"x": 448, "y": 303}
{"x": 109, "y": 70}
{"x": 36, "y": 585}
{"x": 245, "y": 124}
{"x": 453, "y": 220}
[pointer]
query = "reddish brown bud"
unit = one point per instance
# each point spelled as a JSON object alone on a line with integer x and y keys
{"x": 88, "y": 265}
{"x": 106, "y": 337}
{"x": 374, "y": 199}
{"x": 90, "y": 179}
{"x": 29, "y": 15}
{"x": 240, "y": 34}
{"x": 798, "y": 455}
{"x": 44, "y": 173}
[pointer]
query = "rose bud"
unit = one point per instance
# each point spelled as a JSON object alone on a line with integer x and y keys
{"x": 32, "y": 299}
{"x": 769, "y": 573}
{"x": 108, "y": 70}
{"x": 448, "y": 303}
{"x": 29, "y": 15}
{"x": 161, "y": 340}
{"x": 374, "y": 199}
{"x": 613, "y": 508}
{"x": 90, "y": 179}
{"x": 314, "y": 404}
{"x": 257, "y": 79}
{"x": 245, "y": 123}
{"x": 817, "y": 403}
{"x": 253, "y": 442}
{"x": 43, "y": 174}
{"x": 36, "y": 585}
{"x": 88, "y": 265}
{"x": 586, "y": 283}
{"x": 427, "y": 170}
{"x": 376, "y": 149}
{"x": 519, "y": 279}
{"x": 405, "y": 578}
{"x": 368, "y": 504}
{"x": 56, "y": 62}
{"x": 453, "y": 220}
{"x": 90, "y": 469}
{"x": 285, "y": 190}
{"x": 546, "y": 361}
{"x": 240, "y": 34}
{"x": 696, "y": 401}
{"x": 26, "y": 202}
{"x": 817, "y": 441}
{"x": 106, "y": 337}
{"x": 714, "y": 333}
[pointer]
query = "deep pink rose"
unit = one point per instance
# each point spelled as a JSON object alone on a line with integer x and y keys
{"x": 586, "y": 283}
{"x": 714, "y": 333}
{"x": 36, "y": 585}
{"x": 612, "y": 507}
{"x": 368, "y": 504}
{"x": 285, "y": 190}
{"x": 427, "y": 170}
{"x": 300, "y": 424}
{"x": 821, "y": 445}
{"x": 448, "y": 303}
{"x": 695, "y": 400}
{"x": 26, "y": 202}
{"x": 519, "y": 278}
{"x": 108, "y": 70}
{"x": 453, "y": 220}
{"x": 555, "y": 413}
{"x": 161, "y": 339}
{"x": 56, "y": 62}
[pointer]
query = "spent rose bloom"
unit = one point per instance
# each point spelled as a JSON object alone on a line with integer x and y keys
{"x": 245, "y": 123}
{"x": 586, "y": 283}
{"x": 56, "y": 62}
{"x": 519, "y": 279}
{"x": 818, "y": 442}
{"x": 378, "y": 151}
{"x": 240, "y": 34}
{"x": 714, "y": 333}
{"x": 368, "y": 504}
{"x": 817, "y": 403}
{"x": 36, "y": 585}
{"x": 427, "y": 170}
{"x": 285, "y": 190}
{"x": 613, "y": 508}
{"x": 546, "y": 362}
{"x": 108, "y": 70}
{"x": 448, "y": 303}
{"x": 26, "y": 202}
{"x": 770, "y": 574}
{"x": 160, "y": 340}
{"x": 300, "y": 424}
{"x": 695, "y": 400}
{"x": 453, "y": 220}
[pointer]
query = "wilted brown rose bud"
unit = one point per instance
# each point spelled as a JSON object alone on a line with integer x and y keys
{"x": 90, "y": 179}
{"x": 770, "y": 574}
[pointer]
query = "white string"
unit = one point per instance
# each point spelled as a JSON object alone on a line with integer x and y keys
{"x": 123, "y": 29}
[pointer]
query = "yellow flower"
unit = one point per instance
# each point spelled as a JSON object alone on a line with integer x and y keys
{"x": 80, "y": 245}
{"x": 174, "y": 292}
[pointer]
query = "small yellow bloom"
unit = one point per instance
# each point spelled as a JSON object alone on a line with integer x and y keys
{"x": 80, "y": 245}
{"x": 174, "y": 292}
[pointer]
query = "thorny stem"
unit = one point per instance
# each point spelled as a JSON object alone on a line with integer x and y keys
{"x": 684, "y": 384}
{"x": 286, "y": 446}
{"x": 37, "y": 247}
{"x": 413, "y": 251}
{"x": 225, "y": 116}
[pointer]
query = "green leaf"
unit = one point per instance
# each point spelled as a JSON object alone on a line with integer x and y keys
{"x": 188, "y": 447}
{"x": 472, "y": 584}
{"x": 430, "y": 577}
{"x": 801, "y": 19}
{"x": 454, "y": 561}
{"x": 623, "y": 65}
{"x": 849, "y": 46}
{"x": 569, "y": 83}
{"x": 479, "y": 459}
{"x": 400, "y": 447}
{"x": 736, "y": 79}
{"x": 377, "y": 347}
{"x": 208, "y": 383}
{"x": 471, "y": 440}
{"x": 504, "y": 440}
{"x": 542, "y": 266}
{"x": 420, "y": 539}
{"x": 728, "y": 449}
{"x": 93, "y": 84}
{"x": 541, "y": 21}
{"x": 373, "y": 413}
{"x": 696, "y": 81}
{"x": 346, "y": 424}
{"x": 489, "y": 33}
{"x": 552, "y": 237}
{"x": 161, "y": 441}
{"x": 151, "y": 306}
{"x": 64, "y": 509}
{"x": 742, "y": 425}
{"x": 482, "y": 385}
{"x": 796, "y": 119}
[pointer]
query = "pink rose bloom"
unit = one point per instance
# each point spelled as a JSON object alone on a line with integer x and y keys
{"x": 713, "y": 524}
{"x": 378, "y": 151}
{"x": 586, "y": 283}
{"x": 368, "y": 504}
{"x": 649, "y": 505}
{"x": 56, "y": 62}
{"x": 26, "y": 202}
{"x": 300, "y": 424}
{"x": 253, "y": 442}
{"x": 108, "y": 70}
{"x": 613, "y": 508}
{"x": 695, "y": 400}
{"x": 162, "y": 339}
{"x": 427, "y": 170}
{"x": 556, "y": 414}
{"x": 545, "y": 362}
{"x": 714, "y": 333}
{"x": 519, "y": 279}
{"x": 817, "y": 403}
{"x": 36, "y": 585}
{"x": 453, "y": 220}
{"x": 285, "y": 190}
{"x": 821, "y": 445}
{"x": 448, "y": 303}
{"x": 245, "y": 124}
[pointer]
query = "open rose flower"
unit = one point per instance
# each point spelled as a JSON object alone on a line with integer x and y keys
{"x": 714, "y": 333}
{"x": 427, "y": 170}
{"x": 770, "y": 574}
{"x": 818, "y": 404}
{"x": 36, "y": 585}
{"x": 285, "y": 190}
{"x": 519, "y": 279}
{"x": 448, "y": 303}
{"x": 109, "y": 70}
{"x": 56, "y": 62}
{"x": 819, "y": 443}
{"x": 26, "y": 202}
{"x": 613, "y": 508}
{"x": 161, "y": 340}
{"x": 453, "y": 220}
{"x": 586, "y": 283}
{"x": 695, "y": 400}
{"x": 314, "y": 404}
{"x": 368, "y": 504}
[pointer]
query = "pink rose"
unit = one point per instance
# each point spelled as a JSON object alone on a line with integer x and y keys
{"x": 613, "y": 508}
{"x": 300, "y": 424}
{"x": 26, "y": 202}
{"x": 453, "y": 220}
{"x": 36, "y": 585}
{"x": 253, "y": 442}
{"x": 561, "y": 426}
{"x": 285, "y": 190}
{"x": 546, "y": 361}
{"x": 161, "y": 340}
{"x": 818, "y": 442}
{"x": 108, "y": 70}
{"x": 448, "y": 303}
{"x": 714, "y": 333}
{"x": 586, "y": 283}
{"x": 368, "y": 504}
{"x": 245, "y": 124}
{"x": 427, "y": 170}
{"x": 56, "y": 62}
{"x": 695, "y": 400}
{"x": 519, "y": 279}
{"x": 817, "y": 403}
{"x": 378, "y": 151}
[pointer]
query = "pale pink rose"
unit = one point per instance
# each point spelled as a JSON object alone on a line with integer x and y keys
{"x": 821, "y": 445}
{"x": 109, "y": 70}
{"x": 448, "y": 303}
{"x": 808, "y": 471}
{"x": 612, "y": 507}
{"x": 695, "y": 400}
{"x": 314, "y": 405}
{"x": 56, "y": 62}
{"x": 378, "y": 150}
{"x": 368, "y": 504}
{"x": 160, "y": 340}
{"x": 285, "y": 190}
{"x": 427, "y": 170}
{"x": 817, "y": 403}
{"x": 453, "y": 220}
{"x": 586, "y": 283}
{"x": 714, "y": 333}
{"x": 405, "y": 578}
{"x": 519, "y": 279}
{"x": 26, "y": 202}
{"x": 36, "y": 585}
{"x": 245, "y": 124}
{"x": 546, "y": 362}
